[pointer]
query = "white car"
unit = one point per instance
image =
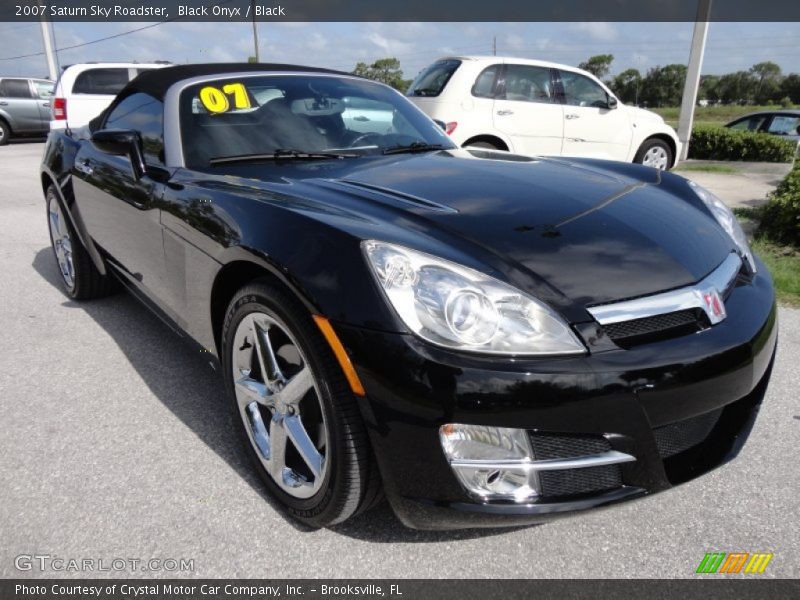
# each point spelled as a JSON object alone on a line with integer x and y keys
{"x": 540, "y": 108}
{"x": 84, "y": 90}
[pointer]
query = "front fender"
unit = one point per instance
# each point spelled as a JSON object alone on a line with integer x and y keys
{"x": 646, "y": 129}
{"x": 56, "y": 170}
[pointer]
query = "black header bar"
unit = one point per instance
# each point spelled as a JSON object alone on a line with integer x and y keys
{"x": 396, "y": 10}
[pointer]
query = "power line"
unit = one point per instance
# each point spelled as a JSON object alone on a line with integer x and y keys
{"x": 110, "y": 37}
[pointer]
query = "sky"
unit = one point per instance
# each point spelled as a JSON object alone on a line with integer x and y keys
{"x": 731, "y": 46}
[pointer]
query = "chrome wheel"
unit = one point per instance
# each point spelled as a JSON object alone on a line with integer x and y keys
{"x": 62, "y": 244}
{"x": 279, "y": 403}
{"x": 656, "y": 157}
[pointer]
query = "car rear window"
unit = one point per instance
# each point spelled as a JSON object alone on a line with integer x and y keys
{"x": 100, "y": 81}
{"x": 432, "y": 80}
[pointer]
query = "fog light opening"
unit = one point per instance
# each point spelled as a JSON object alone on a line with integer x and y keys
{"x": 492, "y": 463}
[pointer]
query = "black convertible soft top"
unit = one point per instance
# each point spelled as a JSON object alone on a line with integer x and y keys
{"x": 156, "y": 82}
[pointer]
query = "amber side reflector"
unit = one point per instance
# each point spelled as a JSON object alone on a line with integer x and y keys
{"x": 339, "y": 351}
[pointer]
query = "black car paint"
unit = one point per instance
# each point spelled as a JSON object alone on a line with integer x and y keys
{"x": 620, "y": 394}
{"x": 179, "y": 237}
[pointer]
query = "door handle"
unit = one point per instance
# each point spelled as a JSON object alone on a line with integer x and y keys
{"x": 572, "y": 116}
{"x": 3, "y": 103}
{"x": 46, "y": 105}
{"x": 361, "y": 118}
{"x": 504, "y": 113}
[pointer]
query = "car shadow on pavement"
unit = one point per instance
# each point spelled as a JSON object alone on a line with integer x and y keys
{"x": 179, "y": 376}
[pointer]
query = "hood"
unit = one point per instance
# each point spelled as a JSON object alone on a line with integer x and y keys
{"x": 642, "y": 114}
{"x": 592, "y": 235}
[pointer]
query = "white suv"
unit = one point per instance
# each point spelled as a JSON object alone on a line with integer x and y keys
{"x": 83, "y": 91}
{"x": 535, "y": 107}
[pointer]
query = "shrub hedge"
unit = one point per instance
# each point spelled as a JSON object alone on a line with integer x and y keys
{"x": 780, "y": 218}
{"x": 720, "y": 143}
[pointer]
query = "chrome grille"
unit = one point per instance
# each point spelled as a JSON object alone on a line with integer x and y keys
{"x": 658, "y": 326}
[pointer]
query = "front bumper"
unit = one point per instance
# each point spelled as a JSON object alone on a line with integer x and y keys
{"x": 629, "y": 397}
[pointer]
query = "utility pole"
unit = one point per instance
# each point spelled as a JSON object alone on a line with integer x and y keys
{"x": 494, "y": 46}
{"x": 255, "y": 29}
{"x": 47, "y": 38}
{"x": 692, "y": 84}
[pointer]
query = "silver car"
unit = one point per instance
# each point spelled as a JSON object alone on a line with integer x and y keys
{"x": 24, "y": 107}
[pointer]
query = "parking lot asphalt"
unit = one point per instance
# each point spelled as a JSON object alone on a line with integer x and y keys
{"x": 746, "y": 187}
{"x": 115, "y": 442}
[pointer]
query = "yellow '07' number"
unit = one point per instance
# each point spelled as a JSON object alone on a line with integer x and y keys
{"x": 216, "y": 100}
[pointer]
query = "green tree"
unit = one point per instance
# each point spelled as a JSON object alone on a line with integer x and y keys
{"x": 790, "y": 87}
{"x": 708, "y": 88}
{"x": 627, "y": 86}
{"x": 598, "y": 65}
{"x": 737, "y": 88}
{"x": 768, "y": 82}
{"x": 663, "y": 86}
{"x": 385, "y": 70}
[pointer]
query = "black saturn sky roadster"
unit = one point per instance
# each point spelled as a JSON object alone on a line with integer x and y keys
{"x": 483, "y": 338}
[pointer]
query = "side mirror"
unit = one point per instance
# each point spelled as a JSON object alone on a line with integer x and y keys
{"x": 612, "y": 103}
{"x": 441, "y": 124}
{"x": 122, "y": 142}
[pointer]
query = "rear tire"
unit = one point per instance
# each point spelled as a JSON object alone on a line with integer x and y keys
{"x": 307, "y": 440}
{"x": 655, "y": 153}
{"x": 80, "y": 278}
{"x": 5, "y": 133}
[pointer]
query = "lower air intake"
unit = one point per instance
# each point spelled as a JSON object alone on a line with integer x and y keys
{"x": 572, "y": 482}
{"x": 678, "y": 437}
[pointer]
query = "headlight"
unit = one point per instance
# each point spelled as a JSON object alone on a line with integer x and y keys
{"x": 728, "y": 221}
{"x": 460, "y": 308}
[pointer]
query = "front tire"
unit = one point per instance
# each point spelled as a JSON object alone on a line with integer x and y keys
{"x": 655, "y": 153}
{"x": 80, "y": 278}
{"x": 294, "y": 408}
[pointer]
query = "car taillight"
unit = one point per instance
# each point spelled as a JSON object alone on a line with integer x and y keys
{"x": 60, "y": 109}
{"x": 450, "y": 127}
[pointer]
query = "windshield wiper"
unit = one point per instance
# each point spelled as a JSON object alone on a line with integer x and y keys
{"x": 413, "y": 147}
{"x": 280, "y": 154}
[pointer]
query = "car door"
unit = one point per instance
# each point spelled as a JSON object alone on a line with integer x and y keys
{"x": 752, "y": 123}
{"x": 119, "y": 209}
{"x": 44, "y": 95}
{"x": 594, "y": 125}
{"x": 17, "y": 101}
{"x": 527, "y": 111}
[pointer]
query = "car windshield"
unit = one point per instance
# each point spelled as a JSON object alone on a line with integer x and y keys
{"x": 289, "y": 116}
